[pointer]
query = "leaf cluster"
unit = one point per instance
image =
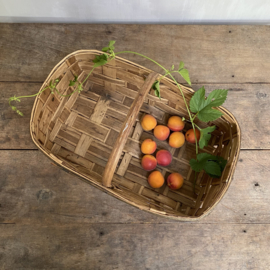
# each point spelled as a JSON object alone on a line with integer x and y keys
{"x": 14, "y": 108}
{"x": 52, "y": 85}
{"x": 212, "y": 165}
{"x": 203, "y": 107}
{"x": 73, "y": 82}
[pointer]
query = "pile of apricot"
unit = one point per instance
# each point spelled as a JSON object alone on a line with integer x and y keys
{"x": 163, "y": 157}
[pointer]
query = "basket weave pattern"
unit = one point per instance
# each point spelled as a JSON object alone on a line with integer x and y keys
{"x": 79, "y": 132}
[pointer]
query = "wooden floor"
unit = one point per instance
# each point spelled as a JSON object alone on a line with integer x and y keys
{"x": 52, "y": 220}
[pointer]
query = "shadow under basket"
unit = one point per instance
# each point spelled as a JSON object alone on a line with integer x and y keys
{"x": 97, "y": 135}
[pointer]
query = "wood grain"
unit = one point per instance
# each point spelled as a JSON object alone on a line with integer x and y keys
{"x": 33, "y": 191}
{"x": 213, "y": 54}
{"x": 249, "y": 103}
{"x": 52, "y": 220}
{"x": 135, "y": 246}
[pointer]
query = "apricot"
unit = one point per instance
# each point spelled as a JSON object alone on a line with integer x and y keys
{"x": 149, "y": 162}
{"x": 190, "y": 135}
{"x": 161, "y": 132}
{"x": 164, "y": 157}
{"x": 148, "y": 146}
{"x": 156, "y": 179}
{"x": 176, "y": 139}
{"x": 175, "y": 181}
{"x": 148, "y": 122}
{"x": 175, "y": 123}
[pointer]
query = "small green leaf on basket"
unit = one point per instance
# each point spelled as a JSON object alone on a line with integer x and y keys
{"x": 80, "y": 88}
{"x": 71, "y": 83}
{"x": 100, "y": 60}
{"x": 156, "y": 87}
{"x": 212, "y": 165}
{"x": 205, "y": 136}
{"x": 184, "y": 73}
{"x": 172, "y": 68}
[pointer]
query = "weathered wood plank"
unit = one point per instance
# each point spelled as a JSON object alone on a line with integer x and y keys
{"x": 249, "y": 103}
{"x": 14, "y": 129}
{"x": 35, "y": 192}
{"x": 220, "y": 53}
{"x": 135, "y": 246}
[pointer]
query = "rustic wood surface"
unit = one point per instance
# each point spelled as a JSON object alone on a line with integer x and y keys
{"x": 52, "y": 220}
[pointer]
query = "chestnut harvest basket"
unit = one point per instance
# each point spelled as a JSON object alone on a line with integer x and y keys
{"x": 97, "y": 135}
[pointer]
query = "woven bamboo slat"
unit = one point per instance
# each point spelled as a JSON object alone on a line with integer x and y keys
{"x": 97, "y": 135}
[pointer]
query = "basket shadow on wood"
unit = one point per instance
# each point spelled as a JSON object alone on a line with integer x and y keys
{"x": 79, "y": 132}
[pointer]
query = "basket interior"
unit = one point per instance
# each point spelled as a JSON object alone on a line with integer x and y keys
{"x": 79, "y": 132}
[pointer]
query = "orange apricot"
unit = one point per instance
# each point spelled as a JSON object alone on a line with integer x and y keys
{"x": 164, "y": 157}
{"x": 190, "y": 136}
{"x": 175, "y": 181}
{"x": 149, "y": 162}
{"x": 148, "y": 146}
{"x": 176, "y": 139}
{"x": 156, "y": 179}
{"x": 175, "y": 123}
{"x": 148, "y": 122}
{"x": 161, "y": 132}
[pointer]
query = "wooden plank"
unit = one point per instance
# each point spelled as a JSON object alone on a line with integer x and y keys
{"x": 109, "y": 246}
{"x": 74, "y": 201}
{"x": 14, "y": 129}
{"x": 226, "y": 51}
{"x": 249, "y": 103}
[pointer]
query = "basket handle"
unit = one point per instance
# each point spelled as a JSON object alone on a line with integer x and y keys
{"x": 125, "y": 130}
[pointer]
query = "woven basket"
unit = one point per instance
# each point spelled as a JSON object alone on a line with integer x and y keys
{"x": 97, "y": 135}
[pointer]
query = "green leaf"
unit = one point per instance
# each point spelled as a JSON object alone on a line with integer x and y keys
{"x": 156, "y": 87}
{"x": 100, "y": 60}
{"x": 222, "y": 163}
{"x": 157, "y": 93}
{"x": 205, "y": 136}
{"x": 105, "y": 49}
{"x": 184, "y": 73}
{"x": 181, "y": 65}
{"x": 212, "y": 168}
{"x": 100, "y": 63}
{"x": 13, "y": 108}
{"x": 197, "y": 101}
{"x": 71, "y": 83}
{"x": 212, "y": 165}
{"x": 111, "y": 43}
{"x": 202, "y": 106}
{"x": 19, "y": 113}
{"x": 172, "y": 68}
{"x": 110, "y": 47}
{"x": 208, "y": 114}
{"x": 217, "y": 97}
{"x": 80, "y": 87}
